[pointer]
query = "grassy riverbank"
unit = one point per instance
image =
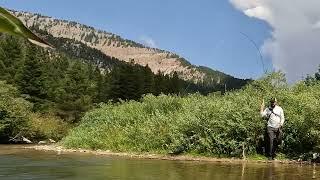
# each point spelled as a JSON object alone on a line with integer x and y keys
{"x": 214, "y": 125}
{"x": 145, "y": 155}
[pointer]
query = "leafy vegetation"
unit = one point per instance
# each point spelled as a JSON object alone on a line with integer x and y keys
{"x": 313, "y": 79}
{"x": 42, "y": 127}
{"x": 216, "y": 125}
{"x": 16, "y": 118}
{"x": 14, "y": 112}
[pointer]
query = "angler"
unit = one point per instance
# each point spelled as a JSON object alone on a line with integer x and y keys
{"x": 275, "y": 116}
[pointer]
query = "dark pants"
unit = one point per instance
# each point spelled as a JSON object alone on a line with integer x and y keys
{"x": 274, "y": 138}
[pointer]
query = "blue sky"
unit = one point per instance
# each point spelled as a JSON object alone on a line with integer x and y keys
{"x": 205, "y": 32}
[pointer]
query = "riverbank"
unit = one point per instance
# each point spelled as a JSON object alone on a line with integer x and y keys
{"x": 62, "y": 150}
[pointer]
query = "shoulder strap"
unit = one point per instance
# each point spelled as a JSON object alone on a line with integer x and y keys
{"x": 274, "y": 113}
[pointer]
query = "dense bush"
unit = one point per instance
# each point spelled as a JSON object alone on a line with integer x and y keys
{"x": 208, "y": 125}
{"x": 14, "y": 112}
{"x": 44, "y": 127}
{"x": 16, "y": 118}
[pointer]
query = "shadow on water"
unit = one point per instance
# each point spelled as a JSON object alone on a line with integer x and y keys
{"x": 17, "y": 163}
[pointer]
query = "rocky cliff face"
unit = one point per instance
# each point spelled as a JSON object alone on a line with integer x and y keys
{"x": 113, "y": 45}
{"x": 126, "y": 50}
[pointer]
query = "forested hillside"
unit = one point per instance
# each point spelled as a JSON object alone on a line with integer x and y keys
{"x": 70, "y": 79}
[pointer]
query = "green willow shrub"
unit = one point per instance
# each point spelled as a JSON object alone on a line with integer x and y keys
{"x": 16, "y": 117}
{"x": 208, "y": 125}
{"x": 45, "y": 126}
{"x": 14, "y": 112}
{"x": 302, "y": 130}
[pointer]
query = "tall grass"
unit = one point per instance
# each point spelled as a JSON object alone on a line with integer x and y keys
{"x": 207, "y": 125}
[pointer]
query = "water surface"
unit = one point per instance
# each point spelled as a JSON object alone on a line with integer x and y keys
{"x": 19, "y": 163}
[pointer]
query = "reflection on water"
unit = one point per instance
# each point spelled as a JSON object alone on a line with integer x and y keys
{"x": 16, "y": 163}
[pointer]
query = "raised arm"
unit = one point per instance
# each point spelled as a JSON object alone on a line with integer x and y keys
{"x": 263, "y": 112}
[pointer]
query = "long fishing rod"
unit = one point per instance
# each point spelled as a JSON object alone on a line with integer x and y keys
{"x": 256, "y": 46}
{"x": 260, "y": 54}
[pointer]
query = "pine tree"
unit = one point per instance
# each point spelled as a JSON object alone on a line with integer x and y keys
{"x": 75, "y": 98}
{"x": 130, "y": 82}
{"x": 11, "y": 57}
{"x": 115, "y": 84}
{"x": 31, "y": 80}
{"x": 149, "y": 81}
{"x": 175, "y": 84}
{"x": 317, "y": 75}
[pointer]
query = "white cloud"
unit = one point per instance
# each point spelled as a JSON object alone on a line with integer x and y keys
{"x": 245, "y": 4}
{"x": 316, "y": 25}
{"x": 259, "y": 12}
{"x": 148, "y": 41}
{"x": 295, "y": 39}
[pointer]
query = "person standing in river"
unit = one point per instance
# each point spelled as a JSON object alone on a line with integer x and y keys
{"x": 275, "y": 117}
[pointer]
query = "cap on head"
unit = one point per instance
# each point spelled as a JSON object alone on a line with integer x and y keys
{"x": 273, "y": 100}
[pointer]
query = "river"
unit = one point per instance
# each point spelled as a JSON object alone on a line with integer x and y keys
{"x": 19, "y": 163}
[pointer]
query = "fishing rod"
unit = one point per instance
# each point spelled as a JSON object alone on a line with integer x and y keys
{"x": 256, "y": 46}
{"x": 260, "y": 55}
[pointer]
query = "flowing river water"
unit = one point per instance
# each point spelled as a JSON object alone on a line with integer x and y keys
{"x": 19, "y": 163}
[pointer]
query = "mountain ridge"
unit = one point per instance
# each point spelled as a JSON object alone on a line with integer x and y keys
{"x": 124, "y": 49}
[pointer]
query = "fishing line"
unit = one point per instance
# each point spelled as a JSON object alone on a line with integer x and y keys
{"x": 256, "y": 46}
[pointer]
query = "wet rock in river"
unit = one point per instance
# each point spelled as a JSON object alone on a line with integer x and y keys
{"x": 42, "y": 142}
{"x": 52, "y": 141}
{"x": 26, "y": 140}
